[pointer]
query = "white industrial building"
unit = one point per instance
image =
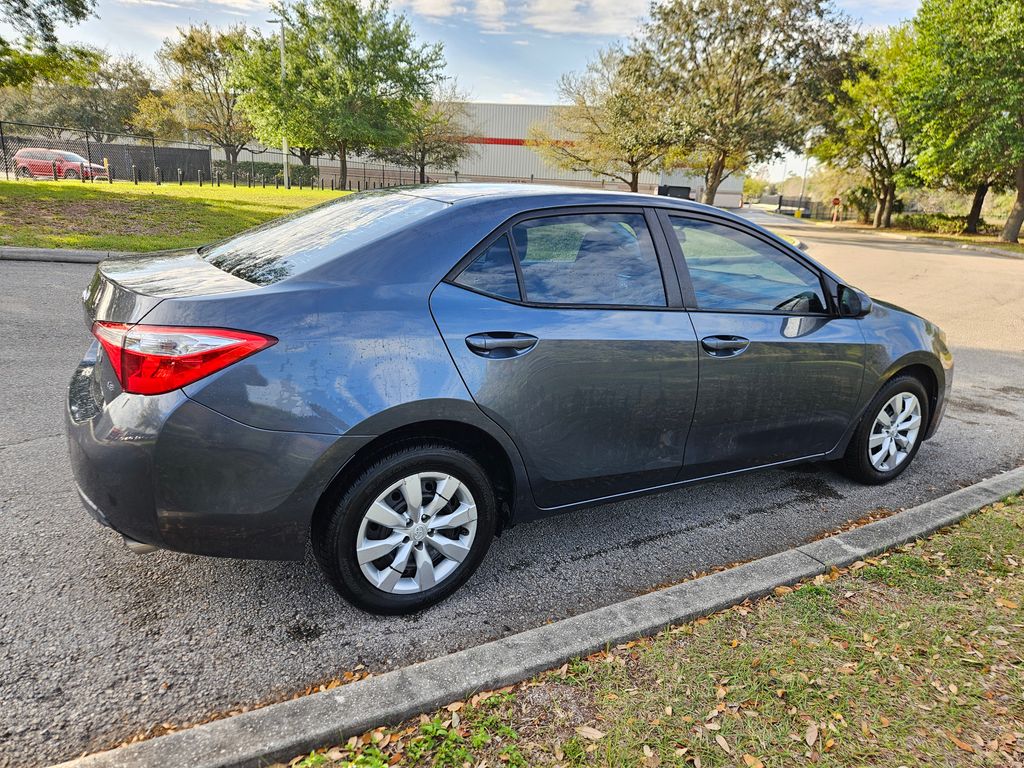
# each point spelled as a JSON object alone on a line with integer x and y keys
{"x": 499, "y": 137}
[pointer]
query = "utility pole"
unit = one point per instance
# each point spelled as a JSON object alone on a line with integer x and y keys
{"x": 284, "y": 139}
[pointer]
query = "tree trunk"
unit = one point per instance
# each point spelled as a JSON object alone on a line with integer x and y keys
{"x": 423, "y": 173}
{"x": 713, "y": 179}
{"x": 1011, "y": 230}
{"x": 231, "y": 154}
{"x": 975, "y": 215}
{"x": 890, "y": 201}
{"x": 305, "y": 156}
{"x": 634, "y": 180}
{"x": 343, "y": 160}
{"x": 876, "y": 222}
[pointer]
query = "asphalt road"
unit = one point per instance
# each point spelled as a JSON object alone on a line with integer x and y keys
{"x": 97, "y": 644}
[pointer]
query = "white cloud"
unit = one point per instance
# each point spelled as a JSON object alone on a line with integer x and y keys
{"x": 520, "y": 42}
{"x": 596, "y": 17}
{"x": 435, "y": 9}
{"x": 490, "y": 15}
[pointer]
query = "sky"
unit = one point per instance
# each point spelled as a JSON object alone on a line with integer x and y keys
{"x": 509, "y": 51}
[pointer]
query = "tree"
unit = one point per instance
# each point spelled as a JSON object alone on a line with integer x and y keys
{"x": 102, "y": 105}
{"x": 37, "y": 56}
{"x": 197, "y": 101}
{"x": 743, "y": 81}
{"x": 612, "y": 126}
{"x": 437, "y": 134}
{"x": 867, "y": 129}
{"x": 966, "y": 98}
{"x": 354, "y": 73}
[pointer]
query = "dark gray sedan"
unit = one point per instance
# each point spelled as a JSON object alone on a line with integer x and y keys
{"x": 398, "y": 375}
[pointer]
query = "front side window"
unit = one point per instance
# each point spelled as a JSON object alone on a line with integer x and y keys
{"x": 492, "y": 271}
{"x": 734, "y": 271}
{"x": 593, "y": 258}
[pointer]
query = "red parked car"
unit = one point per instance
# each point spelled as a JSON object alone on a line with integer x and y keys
{"x": 32, "y": 162}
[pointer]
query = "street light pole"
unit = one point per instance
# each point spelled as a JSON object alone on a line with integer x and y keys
{"x": 284, "y": 138}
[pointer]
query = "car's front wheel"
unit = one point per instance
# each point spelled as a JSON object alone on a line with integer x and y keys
{"x": 409, "y": 531}
{"x": 890, "y": 434}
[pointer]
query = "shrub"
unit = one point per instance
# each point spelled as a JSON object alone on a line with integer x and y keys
{"x": 940, "y": 223}
{"x": 304, "y": 174}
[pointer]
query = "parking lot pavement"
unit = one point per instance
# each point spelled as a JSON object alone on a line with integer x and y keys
{"x": 97, "y": 645}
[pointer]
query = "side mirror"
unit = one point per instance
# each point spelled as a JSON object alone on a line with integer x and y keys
{"x": 852, "y": 302}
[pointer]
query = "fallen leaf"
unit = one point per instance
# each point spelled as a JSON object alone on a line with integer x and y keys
{"x": 752, "y": 762}
{"x": 811, "y": 737}
{"x": 963, "y": 745}
{"x": 1004, "y": 603}
{"x": 455, "y": 706}
{"x": 723, "y": 744}
{"x": 589, "y": 733}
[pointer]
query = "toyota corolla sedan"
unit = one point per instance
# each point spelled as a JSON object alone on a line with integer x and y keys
{"x": 395, "y": 376}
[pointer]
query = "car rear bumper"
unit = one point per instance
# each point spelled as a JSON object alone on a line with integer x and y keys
{"x": 167, "y": 471}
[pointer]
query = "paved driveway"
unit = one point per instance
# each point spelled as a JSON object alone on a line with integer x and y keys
{"x": 97, "y": 644}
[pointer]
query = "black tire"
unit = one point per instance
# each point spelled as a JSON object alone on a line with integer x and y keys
{"x": 71, "y": 173}
{"x": 334, "y": 542}
{"x": 24, "y": 172}
{"x": 856, "y": 463}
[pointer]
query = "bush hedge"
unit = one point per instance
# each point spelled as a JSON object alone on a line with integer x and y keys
{"x": 940, "y": 223}
{"x": 304, "y": 174}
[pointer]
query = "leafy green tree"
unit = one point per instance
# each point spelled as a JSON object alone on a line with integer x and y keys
{"x": 354, "y": 73}
{"x": 36, "y": 55}
{"x": 102, "y": 105}
{"x": 866, "y": 130}
{"x": 966, "y": 98}
{"x": 197, "y": 102}
{"x": 437, "y": 134}
{"x": 743, "y": 81}
{"x": 613, "y": 125}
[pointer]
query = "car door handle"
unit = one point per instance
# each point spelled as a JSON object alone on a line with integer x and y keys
{"x": 724, "y": 346}
{"x": 499, "y": 344}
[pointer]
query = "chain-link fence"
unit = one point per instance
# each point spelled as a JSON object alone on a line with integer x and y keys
{"x": 30, "y": 151}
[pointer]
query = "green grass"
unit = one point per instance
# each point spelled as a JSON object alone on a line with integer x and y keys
{"x": 909, "y": 659}
{"x": 125, "y": 217}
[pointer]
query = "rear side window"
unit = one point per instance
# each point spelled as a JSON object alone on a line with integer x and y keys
{"x": 493, "y": 272}
{"x": 594, "y": 258}
{"x": 307, "y": 239}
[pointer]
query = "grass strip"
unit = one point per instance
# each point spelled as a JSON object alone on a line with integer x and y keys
{"x": 147, "y": 217}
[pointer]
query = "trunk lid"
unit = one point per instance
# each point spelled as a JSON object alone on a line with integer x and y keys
{"x": 124, "y": 290}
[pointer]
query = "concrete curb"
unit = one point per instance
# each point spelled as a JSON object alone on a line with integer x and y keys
{"x": 956, "y": 244}
{"x": 12, "y": 253}
{"x": 279, "y": 732}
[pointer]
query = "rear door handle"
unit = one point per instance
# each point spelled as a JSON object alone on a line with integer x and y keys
{"x": 724, "y": 346}
{"x": 499, "y": 344}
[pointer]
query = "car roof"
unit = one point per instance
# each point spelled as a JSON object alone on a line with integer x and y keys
{"x": 543, "y": 194}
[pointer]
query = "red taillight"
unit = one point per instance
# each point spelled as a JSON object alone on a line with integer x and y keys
{"x": 153, "y": 359}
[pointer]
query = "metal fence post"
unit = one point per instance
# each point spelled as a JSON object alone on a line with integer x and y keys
{"x": 53, "y": 167}
{"x": 81, "y": 171}
{"x": 88, "y": 156}
{"x": 181, "y": 177}
{"x": 3, "y": 151}
{"x": 135, "y": 174}
{"x": 152, "y": 144}
{"x": 199, "y": 174}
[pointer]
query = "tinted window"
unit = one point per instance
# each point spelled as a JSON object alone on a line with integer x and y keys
{"x": 731, "y": 270}
{"x": 301, "y": 241}
{"x": 493, "y": 272}
{"x": 71, "y": 157}
{"x": 597, "y": 258}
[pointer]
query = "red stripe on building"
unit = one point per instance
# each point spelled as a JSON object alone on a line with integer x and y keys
{"x": 495, "y": 140}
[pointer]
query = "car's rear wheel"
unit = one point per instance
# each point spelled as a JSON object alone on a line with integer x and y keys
{"x": 890, "y": 434}
{"x": 409, "y": 531}
{"x": 24, "y": 172}
{"x": 70, "y": 173}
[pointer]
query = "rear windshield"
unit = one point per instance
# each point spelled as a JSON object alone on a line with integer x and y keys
{"x": 307, "y": 239}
